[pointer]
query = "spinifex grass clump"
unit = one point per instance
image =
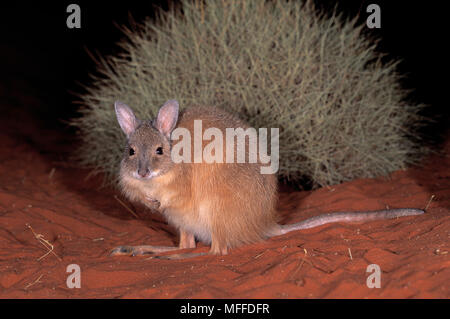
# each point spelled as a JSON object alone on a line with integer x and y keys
{"x": 340, "y": 109}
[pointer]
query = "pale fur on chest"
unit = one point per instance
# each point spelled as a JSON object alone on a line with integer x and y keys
{"x": 175, "y": 204}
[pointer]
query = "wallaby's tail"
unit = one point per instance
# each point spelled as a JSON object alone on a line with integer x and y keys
{"x": 350, "y": 217}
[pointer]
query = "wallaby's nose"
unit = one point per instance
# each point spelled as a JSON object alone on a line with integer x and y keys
{"x": 143, "y": 172}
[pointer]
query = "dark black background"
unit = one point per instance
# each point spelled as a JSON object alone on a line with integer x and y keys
{"x": 170, "y": 308}
{"x": 41, "y": 55}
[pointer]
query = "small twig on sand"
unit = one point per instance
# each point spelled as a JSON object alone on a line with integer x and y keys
{"x": 350, "y": 253}
{"x": 50, "y": 175}
{"x": 301, "y": 264}
{"x": 429, "y": 202}
{"x": 126, "y": 207}
{"x": 34, "y": 282}
{"x": 259, "y": 255}
{"x": 45, "y": 243}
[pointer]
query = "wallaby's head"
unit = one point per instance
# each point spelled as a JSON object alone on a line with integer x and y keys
{"x": 147, "y": 153}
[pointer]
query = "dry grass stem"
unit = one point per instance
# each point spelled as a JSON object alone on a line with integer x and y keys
{"x": 126, "y": 207}
{"x": 33, "y": 283}
{"x": 429, "y": 202}
{"x": 45, "y": 243}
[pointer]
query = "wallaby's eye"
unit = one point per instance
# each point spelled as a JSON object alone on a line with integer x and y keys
{"x": 159, "y": 150}
{"x": 131, "y": 151}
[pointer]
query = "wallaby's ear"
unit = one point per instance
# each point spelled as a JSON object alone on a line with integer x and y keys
{"x": 126, "y": 118}
{"x": 167, "y": 117}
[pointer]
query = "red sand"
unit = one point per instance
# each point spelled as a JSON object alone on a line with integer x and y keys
{"x": 84, "y": 222}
